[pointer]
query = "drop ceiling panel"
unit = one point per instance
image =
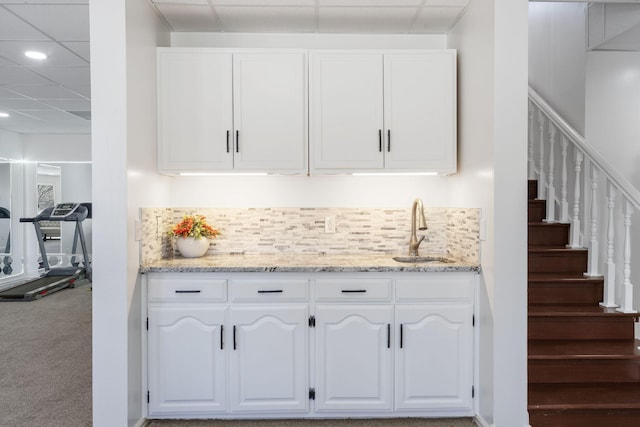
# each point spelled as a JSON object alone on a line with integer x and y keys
{"x": 14, "y": 28}
{"x": 436, "y": 19}
{"x": 82, "y": 49}
{"x": 61, "y": 22}
{"x": 23, "y": 105}
{"x": 57, "y": 55}
{"x": 393, "y": 3}
{"x": 266, "y": 19}
{"x": 20, "y": 75}
{"x": 43, "y": 92}
{"x": 371, "y": 20}
{"x": 68, "y": 104}
{"x": 69, "y": 77}
{"x": 263, "y": 3}
{"x": 5, "y": 93}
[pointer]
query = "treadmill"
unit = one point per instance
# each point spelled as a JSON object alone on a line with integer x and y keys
{"x": 58, "y": 278}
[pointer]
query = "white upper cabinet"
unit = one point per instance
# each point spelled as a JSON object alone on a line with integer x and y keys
{"x": 223, "y": 111}
{"x": 195, "y": 110}
{"x": 383, "y": 112}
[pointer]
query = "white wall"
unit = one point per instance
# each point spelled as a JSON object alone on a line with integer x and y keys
{"x": 613, "y": 110}
{"x": 124, "y": 34}
{"x": 473, "y": 36}
{"x": 11, "y": 145}
{"x": 57, "y": 148}
{"x": 557, "y": 57}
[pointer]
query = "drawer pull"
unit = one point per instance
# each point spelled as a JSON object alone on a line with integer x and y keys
{"x": 401, "y": 336}
{"x": 221, "y": 337}
{"x": 270, "y": 291}
{"x": 354, "y": 291}
{"x": 380, "y": 140}
{"x": 234, "y": 337}
{"x": 388, "y": 335}
{"x": 187, "y": 291}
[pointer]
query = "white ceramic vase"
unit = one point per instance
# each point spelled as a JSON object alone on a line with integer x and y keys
{"x": 190, "y": 247}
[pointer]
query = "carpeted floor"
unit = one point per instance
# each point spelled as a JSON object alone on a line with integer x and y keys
{"x": 45, "y": 361}
{"x": 393, "y": 422}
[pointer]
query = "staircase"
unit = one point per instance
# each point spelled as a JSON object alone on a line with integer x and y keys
{"x": 584, "y": 363}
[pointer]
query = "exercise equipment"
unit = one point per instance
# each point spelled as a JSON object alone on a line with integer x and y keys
{"x": 57, "y": 278}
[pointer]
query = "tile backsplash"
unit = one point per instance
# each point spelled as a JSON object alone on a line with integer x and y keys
{"x": 452, "y": 232}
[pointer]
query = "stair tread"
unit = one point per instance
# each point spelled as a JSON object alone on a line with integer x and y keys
{"x": 584, "y": 396}
{"x": 563, "y": 277}
{"x": 555, "y": 249}
{"x": 549, "y": 224}
{"x": 583, "y": 349}
{"x": 575, "y": 310}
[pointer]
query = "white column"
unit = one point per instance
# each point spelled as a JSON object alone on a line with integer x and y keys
{"x": 532, "y": 162}
{"x": 592, "y": 264}
{"x": 564, "y": 205}
{"x": 627, "y": 287}
{"x": 541, "y": 176}
{"x": 609, "y": 296}
{"x": 551, "y": 188}
{"x": 574, "y": 242}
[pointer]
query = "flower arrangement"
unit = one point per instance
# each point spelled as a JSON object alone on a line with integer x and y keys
{"x": 194, "y": 226}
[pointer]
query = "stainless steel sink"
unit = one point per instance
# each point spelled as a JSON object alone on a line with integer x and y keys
{"x": 418, "y": 259}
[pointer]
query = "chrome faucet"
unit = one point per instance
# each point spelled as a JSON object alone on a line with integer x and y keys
{"x": 414, "y": 242}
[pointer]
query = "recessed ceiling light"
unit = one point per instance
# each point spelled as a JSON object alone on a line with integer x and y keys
{"x": 35, "y": 55}
{"x": 2, "y": 114}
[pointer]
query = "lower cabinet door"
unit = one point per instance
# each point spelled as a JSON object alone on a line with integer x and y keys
{"x": 434, "y": 357}
{"x": 269, "y": 358}
{"x": 353, "y": 358}
{"x": 186, "y": 360}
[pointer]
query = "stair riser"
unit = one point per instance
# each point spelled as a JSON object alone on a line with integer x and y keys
{"x": 537, "y": 210}
{"x": 583, "y": 371}
{"x": 547, "y": 235}
{"x": 533, "y": 189}
{"x": 562, "y": 262}
{"x": 580, "y": 328}
{"x": 594, "y": 418}
{"x": 565, "y": 293}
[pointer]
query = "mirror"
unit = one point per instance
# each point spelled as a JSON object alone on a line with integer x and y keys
{"x": 5, "y": 220}
{"x": 48, "y": 183}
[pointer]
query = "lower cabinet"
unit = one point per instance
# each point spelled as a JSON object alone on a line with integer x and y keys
{"x": 186, "y": 360}
{"x": 268, "y": 364}
{"x": 317, "y": 345}
{"x": 353, "y": 358}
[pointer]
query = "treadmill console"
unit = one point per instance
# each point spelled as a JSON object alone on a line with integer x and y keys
{"x": 63, "y": 210}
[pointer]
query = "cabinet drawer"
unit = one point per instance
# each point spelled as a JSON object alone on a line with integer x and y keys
{"x": 441, "y": 288}
{"x": 269, "y": 290}
{"x": 362, "y": 289}
{"x": 184, "y": 287}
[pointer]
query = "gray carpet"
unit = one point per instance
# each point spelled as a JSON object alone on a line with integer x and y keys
{"x": 45, "y": 361}
{"x": 394, "y": 422}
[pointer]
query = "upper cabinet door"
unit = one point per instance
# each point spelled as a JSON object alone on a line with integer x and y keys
{"x": 270, "y": 112}
{"x": 346, "y": 111}
{"x": 194, "y": 110}
{"x": 420, "y": 111}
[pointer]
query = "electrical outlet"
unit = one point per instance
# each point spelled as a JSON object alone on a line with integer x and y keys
{"x": 329, "y": 224}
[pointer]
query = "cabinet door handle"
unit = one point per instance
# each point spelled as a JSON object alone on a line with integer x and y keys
{"x": 221, "y": 337}
{"x": 227, "y": 141}
{"x": 401, "y": 337}
{"x": 380, "y": 140}
{"x": 187, "y": 291}
{"x": 388, "y": 140}
{"x": 235, "y": 344}
{"x": 270, "y": 291}
{"x": 354, "y": 291}
{"x": 237, "y": 141}
{"x": 388, "y": 335}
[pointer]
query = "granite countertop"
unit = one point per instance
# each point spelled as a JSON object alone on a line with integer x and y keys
{"x": 222, "y": 263}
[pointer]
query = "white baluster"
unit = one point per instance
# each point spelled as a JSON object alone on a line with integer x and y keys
{"x": 609, "y": 296}
{"x": 627, "y": 287}
{"x": 592, "y": 264}
{"x": 532, "y": 162}
{"x": 551, "y": 188}
{"x": 541, "y": 176}
{"x": 564, "y": 205}
{"x": 574, "y": 242}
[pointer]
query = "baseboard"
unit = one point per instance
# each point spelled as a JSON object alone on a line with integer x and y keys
{"x": 141, "y": 422}
{"x": 481, "y": 422}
